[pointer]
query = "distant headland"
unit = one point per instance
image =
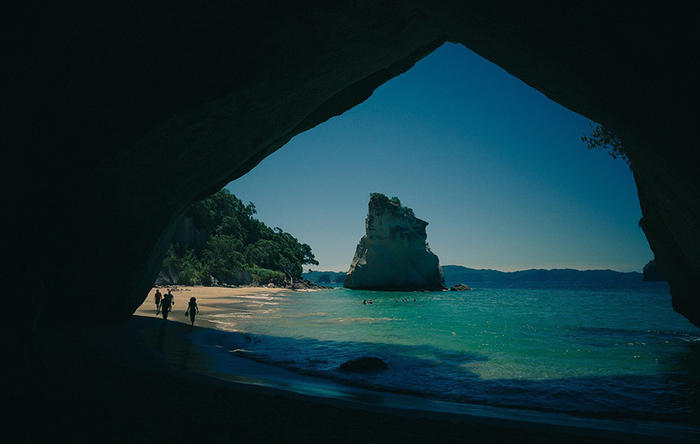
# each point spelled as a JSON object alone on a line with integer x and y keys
{"x": 474, "y": 276}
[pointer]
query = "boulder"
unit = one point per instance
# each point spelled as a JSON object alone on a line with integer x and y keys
{"x": 393, "y": 255}
{"x": 460, "y": 287}
{"x": 363, "y": 364}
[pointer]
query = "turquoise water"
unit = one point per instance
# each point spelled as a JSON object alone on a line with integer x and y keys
{"x": 611, "y": 352}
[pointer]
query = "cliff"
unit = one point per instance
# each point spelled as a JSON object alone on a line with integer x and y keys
{"x": 652, "y": 273}
{"x": 122, "y": 132}
{"x": 393, "y": 254}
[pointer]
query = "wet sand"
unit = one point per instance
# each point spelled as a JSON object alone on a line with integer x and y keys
{"x": 147, "y": 380}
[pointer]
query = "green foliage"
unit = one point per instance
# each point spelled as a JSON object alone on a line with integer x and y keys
{"x": 604, "y": 139}
{"x": 234, "y": 241}
{"x": 223, "y": 257}
{"x": 263, "y": 276}
{"x": 404, "y": 211}
{"x": 193, "y": 271}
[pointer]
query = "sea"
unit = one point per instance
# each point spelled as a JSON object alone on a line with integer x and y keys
{"x": 593, "y": 351}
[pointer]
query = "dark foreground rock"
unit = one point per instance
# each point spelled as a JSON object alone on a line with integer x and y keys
{"x": 363, "y": 364}
{"x": 460, "y": 287}
{"x": 131, "y": 137}
{"x": 652, "y": 273}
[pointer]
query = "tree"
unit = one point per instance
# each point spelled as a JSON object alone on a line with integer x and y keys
{"x": 263, "y": 253}
{"x": 223, "y": 257}
{"x": 604, "y": 139}
{"x": 235, "y": 240}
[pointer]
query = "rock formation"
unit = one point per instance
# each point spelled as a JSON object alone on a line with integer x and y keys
{"x": 652, "y": 273}
{"x": 393, "y": 254}
{"x": 460, "y": 287}
{"x": 363, "y": 364}
{"x": 126, "y": 113}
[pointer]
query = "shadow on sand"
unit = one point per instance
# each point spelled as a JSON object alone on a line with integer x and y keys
{"x": 151, "y": 380}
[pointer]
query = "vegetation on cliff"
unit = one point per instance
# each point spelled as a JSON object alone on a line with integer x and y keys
{"x": 381, "y": 198}
{"x": 604, "y": 139}
{"x": 218, "y": 238}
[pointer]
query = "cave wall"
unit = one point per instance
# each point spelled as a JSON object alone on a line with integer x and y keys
{"x": 123, "y": 114}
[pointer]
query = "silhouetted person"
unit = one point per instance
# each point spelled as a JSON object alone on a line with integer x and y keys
{"x": 158, "y": 297}
{"x": 165, "y": 306}
{"x": 192, "y": 309}
{"x": 169, "y": 296}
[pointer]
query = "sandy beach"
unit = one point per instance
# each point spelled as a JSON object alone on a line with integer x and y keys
{"x": 209, "y": 300}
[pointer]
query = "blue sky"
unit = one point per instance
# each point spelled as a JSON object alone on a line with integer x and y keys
{"x": 496, "y": 168}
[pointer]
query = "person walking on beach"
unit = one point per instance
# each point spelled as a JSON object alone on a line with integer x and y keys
{"x": 170, "y": 296}
{"x": 192, "y": 309}
{"x": 165, "y": 306}
{"x": 158, "y": 297}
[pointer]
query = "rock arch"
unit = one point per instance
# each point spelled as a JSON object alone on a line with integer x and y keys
{"x": 123, "y": 116}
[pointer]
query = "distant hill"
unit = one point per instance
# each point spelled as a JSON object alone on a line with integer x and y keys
{"x": 325, "y": 277}
{"x": 534, "y": 277}
{"x": 469, "y": 276}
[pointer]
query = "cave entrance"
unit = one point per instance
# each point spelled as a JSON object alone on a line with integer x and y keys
{"x": 501, "y": 174}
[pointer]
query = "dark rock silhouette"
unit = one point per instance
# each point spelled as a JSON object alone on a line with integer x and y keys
{"x": 111, "y": 123}
{"x": 460, "y": 287}
{"x": 651, "y": 272}
{"x": 363, "y": 364}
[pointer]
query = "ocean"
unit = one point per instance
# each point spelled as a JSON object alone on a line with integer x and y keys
{"x": 595, "y": 352}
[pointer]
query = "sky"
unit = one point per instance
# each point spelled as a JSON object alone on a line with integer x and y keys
{"x": 496, "y": 168}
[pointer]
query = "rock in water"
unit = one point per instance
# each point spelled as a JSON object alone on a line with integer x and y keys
{"x": 460, "y": 287}
{"x": 393, "y": 254}
{"x": 363, "y": 364}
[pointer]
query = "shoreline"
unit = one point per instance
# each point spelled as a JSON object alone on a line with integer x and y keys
{"x": 218, "y": 362}
{"x": 149, "y": 380}
{"x": 145, "y": 372}
{"x": 245, "y": 370}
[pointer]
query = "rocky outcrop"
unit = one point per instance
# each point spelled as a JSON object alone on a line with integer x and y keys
{"x": 363, "y": 364}
{"x": 393, "y": 254}
{"x": 460, "y": 287}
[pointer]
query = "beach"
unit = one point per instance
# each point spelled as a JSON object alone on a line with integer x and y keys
{"x": 146, "y": 379}
{"x": 210, "y": 300}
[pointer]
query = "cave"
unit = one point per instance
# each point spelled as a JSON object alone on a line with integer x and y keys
{"x": 126, "y": 113}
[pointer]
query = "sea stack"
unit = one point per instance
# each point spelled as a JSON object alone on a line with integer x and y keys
{"x": 393, "y": 255}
